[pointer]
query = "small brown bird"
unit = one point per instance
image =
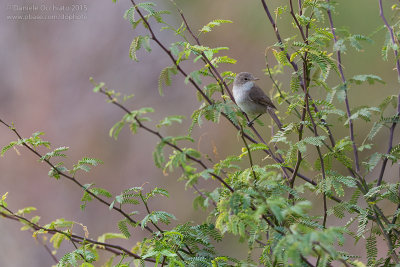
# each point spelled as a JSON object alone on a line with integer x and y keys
{"x": 251, "y": 99}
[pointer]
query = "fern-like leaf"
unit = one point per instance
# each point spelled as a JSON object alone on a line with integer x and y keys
{"x": 212, "y": 24}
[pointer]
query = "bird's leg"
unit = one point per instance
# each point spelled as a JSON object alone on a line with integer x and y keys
{"x": 250, "y": 123}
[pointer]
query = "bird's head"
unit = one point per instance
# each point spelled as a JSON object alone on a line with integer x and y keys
{"x": 244, "y": 78}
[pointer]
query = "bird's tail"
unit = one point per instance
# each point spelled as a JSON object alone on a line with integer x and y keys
{"x": 275, "y": 118}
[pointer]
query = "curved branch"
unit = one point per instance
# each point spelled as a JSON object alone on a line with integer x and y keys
{"x": 115, "y": 249}
{"x": 71, "y": 178}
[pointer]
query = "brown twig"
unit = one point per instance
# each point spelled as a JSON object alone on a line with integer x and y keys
{"x": 210, "y": 101}
{"x": 71, "y": 178}
{"x": 158, "y": 134}
{"x": 346, "y": 99}
{"x": 115, "y": 249}
{"x": 396, "y": 56}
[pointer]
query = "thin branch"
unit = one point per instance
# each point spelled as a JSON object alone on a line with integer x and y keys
{"x": 306, "y": 73}
{"x": 346, "y": 99}
{"x": 71, "y": 178}
{"x": 218, "y": 76}
{"x": 46, "y": 247}
{"x": 300, "y": 7}
{"x": 306, "y": 261}
{"x": 297, "y": 21}
{"x": 319, "y": 155}
{"x": 212, "y": 68}
{"x": 294, "y": 65}
{"x": 149, "y": 212}
{"x": 209, "y": 101}
{"x": 388, "y": 240}
{"x": 156, "y": 133}
{"x": 396, "y": 56}
{"x": 390, "y": 146}
{"x": 169, "y": 53}
{"x": 115, "y": 249}
{"x": 299, "y": 158}
{"x": 249, "y": 153}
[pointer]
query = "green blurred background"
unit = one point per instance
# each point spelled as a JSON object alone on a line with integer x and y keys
{"x": 44, "y": 86}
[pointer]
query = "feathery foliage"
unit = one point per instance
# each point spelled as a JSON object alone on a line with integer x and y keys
{"x": 318, "y": 185}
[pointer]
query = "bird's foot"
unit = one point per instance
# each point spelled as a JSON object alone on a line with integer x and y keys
{"x": 250, "y": 123}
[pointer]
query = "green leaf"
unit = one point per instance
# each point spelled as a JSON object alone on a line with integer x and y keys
{"x": 167, "y": 121}
{"x": 192, "y": 152}
{"x": 107, "y": 236}
{"x": 135, "y": 46}
{"x": 57, "y": 239}
{"x": 55, "y": 153}
{"x": 315, "y": 141}
{"x": 57, "y": 170}
{"x": 281, "y": 57}
{"x": 212, "y": 24}
{"x": 157, "y": 191}
{"x": 116, "y": 129}
{"x": 165, "y": 78}
{"x": 372, "y": 250}
{"x": 374, "y": 130}
{"x": 339, "y": 46}
{"x": 370, "y": 78}
{"x": 224, "y": 59}
{"x": 364, "y": 113}
{"x": 324, "y": 62}
{"x": 355, "y": 41}
{"x": 156, "y": 216}
{"x": 130, "y": 15}
{"x": 137, "y": 43}
{"x": 373, "y": 161}
{"x": 100, "y": 192}
{"x": 7, "y": 147}
{"x": 124, "y": 228}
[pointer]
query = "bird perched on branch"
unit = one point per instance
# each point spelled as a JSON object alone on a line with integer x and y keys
{"x": 251, "y": 99}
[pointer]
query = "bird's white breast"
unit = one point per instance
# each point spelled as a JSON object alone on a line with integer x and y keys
{"x": 241, "y": 95}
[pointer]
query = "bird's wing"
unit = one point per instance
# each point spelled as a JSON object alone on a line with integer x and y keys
{"x": 258, "y": 96}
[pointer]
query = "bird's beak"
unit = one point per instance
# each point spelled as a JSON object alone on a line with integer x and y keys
{"x": 256, "y": 79}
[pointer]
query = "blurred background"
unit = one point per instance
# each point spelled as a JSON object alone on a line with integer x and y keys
{"x": 44, "y": 86}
